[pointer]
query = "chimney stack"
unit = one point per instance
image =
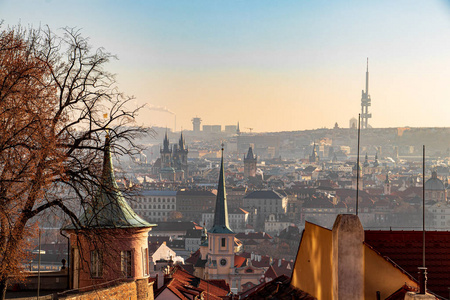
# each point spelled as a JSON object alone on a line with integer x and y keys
{"x": 422, "y": 280}
{"x": 348, "y": 258}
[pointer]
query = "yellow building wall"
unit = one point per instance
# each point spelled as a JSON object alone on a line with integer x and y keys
{"x": 381, "y": 275}
{"x": 312, "y": 270}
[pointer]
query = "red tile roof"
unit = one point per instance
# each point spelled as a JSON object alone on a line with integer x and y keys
{"x": 404, "y": 248}
{"x": 239, "y": 261}
{"x": 254, "y": 236}
{"x": 279, "y": 288}
{"x": 270, "y": 273}
{"x": 193, "y": 258}
{"x": 187, "y": 286}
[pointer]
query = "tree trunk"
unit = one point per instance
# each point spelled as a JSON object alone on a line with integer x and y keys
{"x": 3, "y": 286}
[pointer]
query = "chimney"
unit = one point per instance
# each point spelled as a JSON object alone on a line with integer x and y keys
{"x": 422, "y": 280}
{"x": 421, "y": 295}
{"x": 348, "y": 258}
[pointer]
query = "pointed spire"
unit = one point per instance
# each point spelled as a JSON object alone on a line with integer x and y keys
{"x": 181, "y": 142}
{"x": 375, "y": 163}
{"x": 387, "y": 178}
{"x": 108, "y": 178}
{"x": 221, "y": 224}
{"x": 250, "y": 154}
{"x": 166, "y": 145}
{"x": 109, "y": 209}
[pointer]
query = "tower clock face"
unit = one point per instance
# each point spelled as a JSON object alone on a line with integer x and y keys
{"x": 223, "y": 262}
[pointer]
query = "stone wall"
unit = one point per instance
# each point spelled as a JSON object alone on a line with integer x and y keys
{"x": 134, "y": 290}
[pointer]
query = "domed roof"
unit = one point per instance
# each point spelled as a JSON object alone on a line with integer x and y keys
{"x": 434, "y": 183}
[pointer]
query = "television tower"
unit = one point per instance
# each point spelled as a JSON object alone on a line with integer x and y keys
{"x": 365, "y": 102}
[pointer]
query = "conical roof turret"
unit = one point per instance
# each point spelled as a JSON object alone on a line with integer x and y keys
{"x": 221, "y": 224}
{"x": 109, "y": 209}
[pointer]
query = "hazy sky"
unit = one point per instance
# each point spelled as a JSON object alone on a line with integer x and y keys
{"x": 271, "y": 65}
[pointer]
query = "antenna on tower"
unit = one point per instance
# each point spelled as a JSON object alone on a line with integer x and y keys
{"x": 357, "y": 164}
{"x": 366, "y": 101}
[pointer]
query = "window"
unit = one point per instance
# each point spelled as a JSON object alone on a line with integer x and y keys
{"x": 96, "y": 264}
{"x": 145, "y": 261}
{"x": 125, "y": 265}
{"x": 223, "y": 242}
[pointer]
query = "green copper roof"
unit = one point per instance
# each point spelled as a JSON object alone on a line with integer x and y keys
{"x": 221, "y": 224}
{"x": 109, "y": 208}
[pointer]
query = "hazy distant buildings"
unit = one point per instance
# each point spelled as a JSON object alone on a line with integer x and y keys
{"x": 268, "y": 146}
{"x": 191, "y": 204}
{"x": 212, "y": 128}
{"x": 154, "y": 206}
{"x": 196, "y": 125}
{"x": 266, "y": 203}
{"x": 435, "y": 190}
{"x": 353, "y": 123}
{"x": 231, "y": 129}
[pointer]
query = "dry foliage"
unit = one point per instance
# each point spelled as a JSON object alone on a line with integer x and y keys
{"x": 54, "y": 94}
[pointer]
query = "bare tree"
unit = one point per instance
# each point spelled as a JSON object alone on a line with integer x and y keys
{"x": 56, "y": 103}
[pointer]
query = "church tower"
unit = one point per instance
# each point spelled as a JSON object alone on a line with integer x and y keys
{"x": 375, "y": 163}
{"x": 220, "y": 263}
{"x": 166, "y": 153}
{"x": 387, "y": 185}
{"x": 365, "y": 102}
{"x": 366, "y": 161}
{"x": 180, "y": 156}
{"x": 314, "y": 157}
{"x": 250, "y": 164}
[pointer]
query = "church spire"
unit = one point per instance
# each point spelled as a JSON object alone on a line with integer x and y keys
{"x": 181, "y": 142}
{"x": 166, "y": 145}
{"x": 221, "y": 224}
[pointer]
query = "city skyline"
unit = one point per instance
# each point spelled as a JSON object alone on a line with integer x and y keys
{"x": 289, "y": 65}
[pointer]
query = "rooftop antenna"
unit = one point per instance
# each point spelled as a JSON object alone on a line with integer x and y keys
{"x": 423, "y": 269}
{"x": 357, "y": 164}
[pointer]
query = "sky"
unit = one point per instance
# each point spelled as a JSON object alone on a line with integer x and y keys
{"x": 269, "y": 65}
